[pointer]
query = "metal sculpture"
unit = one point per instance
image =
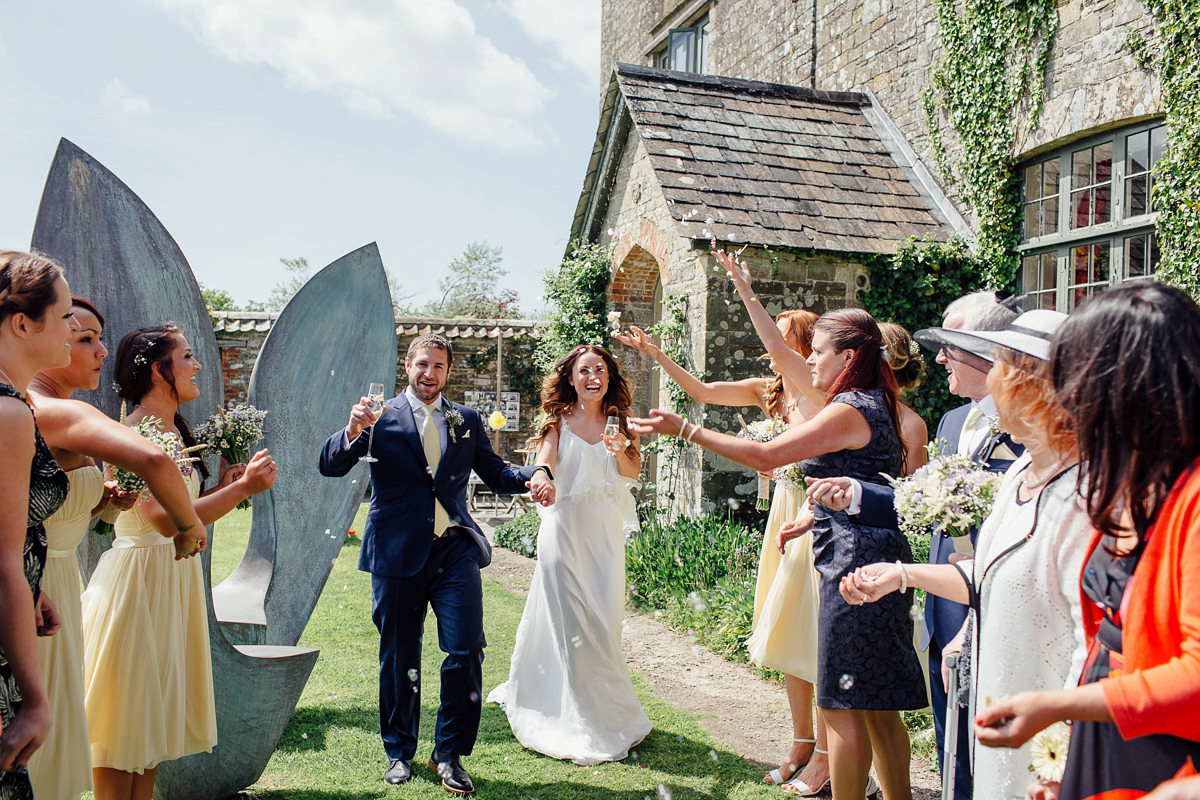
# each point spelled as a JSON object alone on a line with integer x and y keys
{"x": 119, "y": 255}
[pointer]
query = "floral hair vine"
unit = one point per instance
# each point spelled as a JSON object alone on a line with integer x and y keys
{"x": 140, "y": 360}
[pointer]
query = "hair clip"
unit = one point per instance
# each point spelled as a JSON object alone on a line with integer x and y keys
{"x": 140, "y": 360}
{"x": 885, "y": 353}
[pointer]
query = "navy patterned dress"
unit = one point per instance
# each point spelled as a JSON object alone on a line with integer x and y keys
{"x": 865, "y": 656}
{"x": 48, "y": 486}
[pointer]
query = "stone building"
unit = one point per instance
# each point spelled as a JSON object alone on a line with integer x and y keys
{"x": 473, "y": 379}
{"x": 812, "y": 150}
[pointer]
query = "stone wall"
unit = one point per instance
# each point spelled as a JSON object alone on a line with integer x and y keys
{"x": 240, "y": 336}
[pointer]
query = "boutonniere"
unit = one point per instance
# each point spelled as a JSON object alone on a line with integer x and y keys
{"x": 453, "y": 417}
{"x": 993, "y": 424}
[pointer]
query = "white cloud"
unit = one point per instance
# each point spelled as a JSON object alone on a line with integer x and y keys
{"x": 119, "y": 97}
{"x": 420, "y": 57}
{"x": 571, "y": 27}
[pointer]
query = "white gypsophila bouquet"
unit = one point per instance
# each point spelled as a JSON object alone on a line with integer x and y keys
{"x": 231, "y": 433}
{"x": 149, "y": 427}
{"x": 791, "y": 476}
{"x": 950, "y": 495}
{"x": 763, "y": 430}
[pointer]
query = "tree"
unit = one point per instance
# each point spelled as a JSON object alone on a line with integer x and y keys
{"x": 470, "y": 287}
{"x": 217, "y": 299}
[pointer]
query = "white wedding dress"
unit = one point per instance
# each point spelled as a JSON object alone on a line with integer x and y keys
{"x": 568, "y": 693}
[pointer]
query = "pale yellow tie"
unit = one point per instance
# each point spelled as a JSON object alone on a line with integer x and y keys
{"x": 969, "y": 430}
{"x": 433, "y": 456}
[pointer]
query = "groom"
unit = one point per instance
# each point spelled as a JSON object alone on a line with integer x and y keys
{"x": 423, "y": 549}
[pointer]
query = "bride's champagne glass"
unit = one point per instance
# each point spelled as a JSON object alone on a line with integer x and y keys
{"x": 375, "y": 397}
{"x": 613, "y": 439}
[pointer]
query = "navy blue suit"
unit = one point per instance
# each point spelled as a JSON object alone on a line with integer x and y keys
{"x": 411, "y": 569}
{"x": 943, "y": 618}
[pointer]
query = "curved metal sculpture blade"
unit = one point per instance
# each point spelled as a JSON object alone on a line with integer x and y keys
{"x": 333, "y": 338}
{"x": 119, "y": 255}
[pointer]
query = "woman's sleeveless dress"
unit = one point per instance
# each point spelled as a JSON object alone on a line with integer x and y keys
{"x": 47, "y": 490}
{"x": 865, "y": 656}
{"x": 147, "y": 668}
{"x": 61, "y": 768}
{"x": 568, "y": 693}
{"x": 785, "y": 595}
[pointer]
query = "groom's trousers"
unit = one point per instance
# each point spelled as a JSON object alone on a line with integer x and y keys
{"x": 450, "y": 583}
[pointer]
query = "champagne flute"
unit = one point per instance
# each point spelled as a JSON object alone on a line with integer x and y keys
{"x": 613, "y": 439}
{"x": 375, "y": 398}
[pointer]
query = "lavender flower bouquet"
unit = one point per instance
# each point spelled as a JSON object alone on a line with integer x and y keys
{"x": 950, "y": 495}
{"x": 232, "y": 433}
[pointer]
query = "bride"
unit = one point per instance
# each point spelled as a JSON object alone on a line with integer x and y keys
{"x": 568, "y": 693}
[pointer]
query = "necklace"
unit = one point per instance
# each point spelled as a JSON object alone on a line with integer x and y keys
{"x": 1051, "y": 473}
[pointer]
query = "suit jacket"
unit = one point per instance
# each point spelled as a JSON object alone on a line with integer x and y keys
{"x": 399, "y": 529}
{"x": 943, "y": 618}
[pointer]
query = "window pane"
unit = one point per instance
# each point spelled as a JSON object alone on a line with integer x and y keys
{"x": 1135, "y": 196}
{"x": 702, "y": 48}
{"x": 1079, "y": 263}
{"x": 1158, "y": 140}
{"x": 1029, "y": 274}
{"x": 1100, "y": 262}
{"x": 1135, "y": 257}
{"x": 1103, "y": 160}
{"x": 1103, "y": 206}
{"x": 1081, "y": 207}
{"x": 1050, "y": 177}
{"x": 1081, "y": 167}
{"x": 1137, "y": 153}
{"x": 1049, "y": 271}
{"x": 1050, "y": 215}
{"x": 1033, "y": 182}
{"x": 1152, "y": 267}
{"x": 1032, "y": 216}
{"x": 682, "y": 40}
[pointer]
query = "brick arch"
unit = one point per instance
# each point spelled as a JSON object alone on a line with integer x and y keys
{"x": 640, "y": 260}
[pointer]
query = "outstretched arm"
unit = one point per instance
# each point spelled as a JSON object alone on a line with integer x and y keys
{"x": 748, "y": 392}
{"x": 836, "y": 427}
{"x": 790, "y": 364}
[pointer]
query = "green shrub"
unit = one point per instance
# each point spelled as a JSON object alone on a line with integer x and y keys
{"x": 519, "y": 534}
{"x": 673, "y": 559}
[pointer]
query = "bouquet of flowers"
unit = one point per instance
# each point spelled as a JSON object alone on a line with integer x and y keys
{"x": 763, "y": 430}
{"x": 231, "y": 433}
{"x": 131, "y": 482}
{"x": 791, "y": 475}
{"x": 950, "y": 495}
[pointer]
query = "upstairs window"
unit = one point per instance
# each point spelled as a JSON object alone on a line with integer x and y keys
{"x": 686, "y": 49}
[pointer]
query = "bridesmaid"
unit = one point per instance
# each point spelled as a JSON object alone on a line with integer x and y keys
{"x": 77, "y": 433}
{"x": 35, "y": 321}
{"x": 142, "y": 599}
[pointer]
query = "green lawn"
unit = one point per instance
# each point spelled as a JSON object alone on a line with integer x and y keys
{"x": 331, "y": 747}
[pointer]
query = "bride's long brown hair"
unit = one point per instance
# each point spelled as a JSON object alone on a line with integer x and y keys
{"x": 558, "y": 395}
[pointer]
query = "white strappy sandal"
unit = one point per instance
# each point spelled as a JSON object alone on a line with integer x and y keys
{"x": 801, "y": 788}
{"x": 776, "y": 777}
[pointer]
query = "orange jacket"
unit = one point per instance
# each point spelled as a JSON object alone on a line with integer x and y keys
{"x": 1158, "y": 688}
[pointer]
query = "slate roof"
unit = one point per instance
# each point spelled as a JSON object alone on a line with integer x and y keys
{"x": 769, "y": 164}
{"x": 261, "y": 322}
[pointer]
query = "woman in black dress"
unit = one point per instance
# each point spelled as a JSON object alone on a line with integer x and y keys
{"x": 867, "y": 669}
{"x": 35, "y": 321}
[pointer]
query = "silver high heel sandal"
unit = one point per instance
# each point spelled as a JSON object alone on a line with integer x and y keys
{"x": 776, "y": 777}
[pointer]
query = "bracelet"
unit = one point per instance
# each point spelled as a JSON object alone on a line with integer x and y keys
{"x": 695, "y": 427}
{"x": 903, "y": 577}
{"x": 682, "y": 425}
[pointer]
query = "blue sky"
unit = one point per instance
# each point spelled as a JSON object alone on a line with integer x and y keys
{"x": 262, "y": 129}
